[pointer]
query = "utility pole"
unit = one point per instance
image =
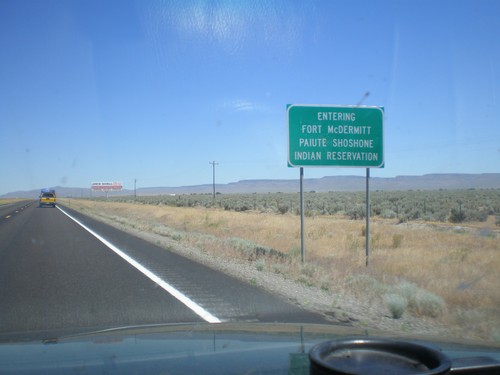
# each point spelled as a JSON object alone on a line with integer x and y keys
{"x": 135, "y": 188}
{"x": 213, "y": 166}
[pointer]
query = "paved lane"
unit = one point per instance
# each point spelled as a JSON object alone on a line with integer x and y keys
{"x": 8, "y": 211}
{"x": 55, "y": 275}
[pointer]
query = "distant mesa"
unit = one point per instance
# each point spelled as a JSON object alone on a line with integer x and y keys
{"x": 451, "y": 181}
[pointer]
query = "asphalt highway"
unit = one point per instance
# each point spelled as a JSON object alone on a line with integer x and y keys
{"x": 63, "y": 272}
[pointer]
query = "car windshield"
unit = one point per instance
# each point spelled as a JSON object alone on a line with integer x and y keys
{"x": 326, "y": 162}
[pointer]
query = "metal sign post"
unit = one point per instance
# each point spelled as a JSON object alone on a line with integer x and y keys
{"x": 302, "y": 245}
{"x": 367, "y": 232}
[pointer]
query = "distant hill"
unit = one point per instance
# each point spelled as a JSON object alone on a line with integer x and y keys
{"x": 449, "y": 181}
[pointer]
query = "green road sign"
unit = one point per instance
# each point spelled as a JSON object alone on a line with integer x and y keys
{"x": 330, "y": 136}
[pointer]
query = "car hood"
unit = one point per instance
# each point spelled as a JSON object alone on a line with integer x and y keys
{"x": 227, "y": 348}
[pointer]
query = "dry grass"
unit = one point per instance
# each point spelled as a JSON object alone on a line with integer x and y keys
{"x": 9, "y": 200}
{"x": 453, "y": 272}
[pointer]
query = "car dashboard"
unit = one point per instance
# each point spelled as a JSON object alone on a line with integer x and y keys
{"x": 232, "y": 348}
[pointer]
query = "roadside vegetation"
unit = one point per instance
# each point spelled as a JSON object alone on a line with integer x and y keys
{"x": 9, "y": 201}
{"x": 455, "y": 206}
{"x": 431, "y": 268}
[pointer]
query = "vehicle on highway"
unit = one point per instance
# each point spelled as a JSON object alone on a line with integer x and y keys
{"x": 47, "y": 198}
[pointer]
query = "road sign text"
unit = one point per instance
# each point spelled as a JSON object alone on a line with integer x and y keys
{"x": 335, "y": 136}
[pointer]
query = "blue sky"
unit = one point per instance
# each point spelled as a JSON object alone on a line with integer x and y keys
{"x": 155, "y": 90}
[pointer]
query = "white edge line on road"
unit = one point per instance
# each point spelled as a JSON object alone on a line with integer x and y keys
{"x": 197, "y": 309}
